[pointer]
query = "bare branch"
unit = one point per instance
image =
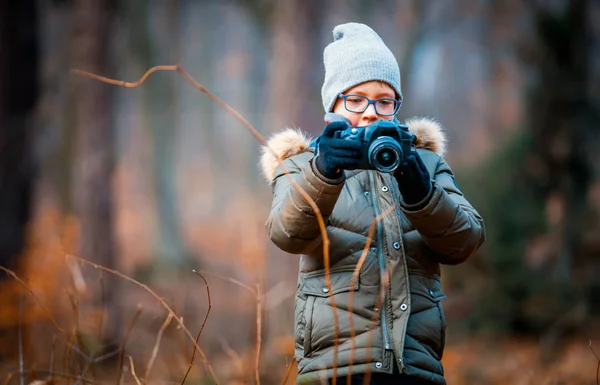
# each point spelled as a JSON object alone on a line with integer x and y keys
{"x": 12, "y": 273}
{"x": 22, "y": 377}
{"x": 156, "y": 345}
{"x": 232, "y": 280}
{"x": 288, "y": 371}
{"x": 598, "y": 367}
{"x": 124, "y": 342}
{"x": 103, "y": 303}
{"x": 137, "y": 380}
{"x": 161, "y": 301}
{"x": 58, "y": 374}
{"x": 258, "y": 334}
{"x": 201, "y": 327}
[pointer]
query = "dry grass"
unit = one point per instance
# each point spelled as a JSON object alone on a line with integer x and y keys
{"x": 160, "y": 348}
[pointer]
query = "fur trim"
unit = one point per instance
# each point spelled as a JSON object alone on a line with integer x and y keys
{"x": 293, "y": 141}
{"x": 430, "y": 134}
{"x": 282, "y": 145}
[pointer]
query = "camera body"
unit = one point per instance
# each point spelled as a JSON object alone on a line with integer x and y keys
{"x": 385, "y": 143}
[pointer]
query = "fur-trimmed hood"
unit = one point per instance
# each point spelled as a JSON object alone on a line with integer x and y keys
{"x": 293, "y": 141}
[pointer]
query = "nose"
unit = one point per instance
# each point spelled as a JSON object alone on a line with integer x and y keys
{"x": 370, "y": 114}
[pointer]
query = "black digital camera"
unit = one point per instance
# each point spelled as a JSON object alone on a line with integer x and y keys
{"x": 385, "y": 143}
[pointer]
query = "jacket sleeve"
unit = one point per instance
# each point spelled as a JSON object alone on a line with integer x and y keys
{"x": 292, "y": 224}
{"x": 448, "y": 223}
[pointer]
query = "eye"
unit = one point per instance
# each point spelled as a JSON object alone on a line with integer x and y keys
{"x": 386, "y": 102}
{"x": 355, "y": 99}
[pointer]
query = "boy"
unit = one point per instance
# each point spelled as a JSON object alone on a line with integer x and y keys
{"x": 395, "y": 330}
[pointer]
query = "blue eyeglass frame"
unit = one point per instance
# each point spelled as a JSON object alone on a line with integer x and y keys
{"x": 373, "y": 102}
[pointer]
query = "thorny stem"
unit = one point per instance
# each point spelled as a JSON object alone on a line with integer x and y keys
{"x": 256, "y": 134}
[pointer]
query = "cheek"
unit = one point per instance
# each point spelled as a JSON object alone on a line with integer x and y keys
{"x": 338, "y": 108}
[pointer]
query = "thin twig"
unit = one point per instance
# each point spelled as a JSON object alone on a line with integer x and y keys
{"x": 58, "y": 374}
{"x": 256, "y": 134}
{"x": 232, "y": 280}
{"x": 137, "y": 380}
{"x": 288, "y": 371}
{"x": 355, "y": 276}
{"x": 9, "y": 377}
{"x": 103, "y": 303}
{"x": 598, "y": 367}
{"x": 162, "y": 302}
{"x": 258, "y": 333}
{"x": 73, "y": 347}
{"x": 12, "y": 273}
{"x": 235, "y": 357}
{"x": 201, "y": 327}
{"x": 106, "y": 356}
{"x": 156, "y": 345}
{"x": 76, "y": 311}
{"x": 125, "y": 338}
{"x": 51, "y": 367}
{"x": 22, "y": 377}
{"x": 68, "y": 354}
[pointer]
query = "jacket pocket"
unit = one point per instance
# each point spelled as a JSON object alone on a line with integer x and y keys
{"x": 318, "y": 314}
{"x": 444, "y": 324}
{"x": 427, "y": 323}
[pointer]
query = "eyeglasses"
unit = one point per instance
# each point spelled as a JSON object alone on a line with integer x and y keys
{"x": 360, "y": 103}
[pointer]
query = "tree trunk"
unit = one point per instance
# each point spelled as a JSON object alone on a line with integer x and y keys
{"x": 19, "y": 78}
{"x": 93, "y": 180}
{"x": 293, "y": 24}
{"x": 19, "y": 90}
{"x": 562, "y": 120}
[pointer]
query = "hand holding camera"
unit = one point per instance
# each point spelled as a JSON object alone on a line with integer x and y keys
{"x": 384, "y": 146}
{"x": 413, "y": 179}
{"x": 335, "y": 154}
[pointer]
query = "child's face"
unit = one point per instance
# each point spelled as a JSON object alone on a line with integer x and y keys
{"x": 372, "y": 90}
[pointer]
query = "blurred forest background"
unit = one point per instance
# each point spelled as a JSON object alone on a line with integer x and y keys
{"x": 158, "y": 180}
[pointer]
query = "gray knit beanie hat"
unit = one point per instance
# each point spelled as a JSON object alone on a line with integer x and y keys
{"x": 356, "y": 55}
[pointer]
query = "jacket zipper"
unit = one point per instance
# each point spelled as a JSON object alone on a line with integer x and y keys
{"x": 386, "y": 338}
{"x": 398, "y": 215}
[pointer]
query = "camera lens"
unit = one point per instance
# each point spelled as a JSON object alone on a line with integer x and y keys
{"x": 385, "y": 157}
{"x": 385, "y": 154}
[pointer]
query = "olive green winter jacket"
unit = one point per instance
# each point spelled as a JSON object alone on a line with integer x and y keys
{"x": 396, "y": 317}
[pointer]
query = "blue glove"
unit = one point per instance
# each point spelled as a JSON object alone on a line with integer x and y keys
{"x": 413, "y": 179}
{"x": 334, "y": 154}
